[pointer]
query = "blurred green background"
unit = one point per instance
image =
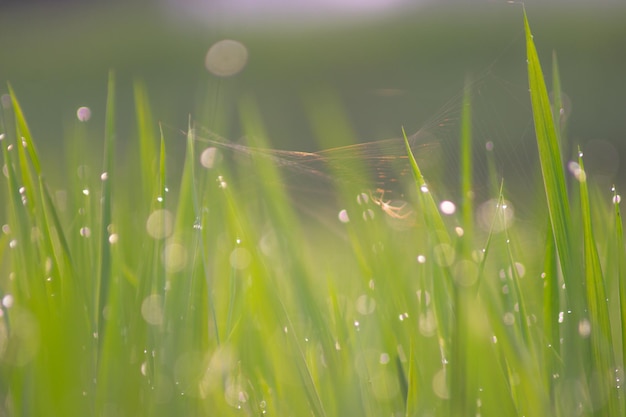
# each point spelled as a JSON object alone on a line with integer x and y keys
{"x": 387, "y": 70}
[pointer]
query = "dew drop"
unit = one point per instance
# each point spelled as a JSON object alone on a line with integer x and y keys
{"x": 447, "y": 207}
{"x": 584, "y": 328}
{"x": 368, "y": 214}
{"x": 617, "y": 199}
{"x": 7, "y": 301}
{"x": 421, "y": 259}
{"x": 83, "y": 114}
{"x": 343, "y": 216}
{"x": 362, "y": 198}
{"x": 508, "y": 319}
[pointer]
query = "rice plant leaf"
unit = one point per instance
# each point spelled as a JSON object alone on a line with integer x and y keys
{"x": 558, "y": 206}
{"x": 23, "y": 132}
{"x": 621, "y": 267}
{"x": 146, "y": 136}
{"x": 549, "y": 157}
{"x": 104, "y": 259}
{"x": 412, "y": 401}
{"x": 558, "y": 110}
{"x": 467, "y": 192}
{"x": 598, "y": 320}
{"x": 26, "y": 152}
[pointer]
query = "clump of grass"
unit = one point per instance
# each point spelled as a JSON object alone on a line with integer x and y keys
{"x": 122, "y": 295}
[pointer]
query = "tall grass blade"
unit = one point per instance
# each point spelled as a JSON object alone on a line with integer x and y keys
{"x": 596, "y": 326}
{"x": 558, "y": 207}
{"x": 104, "y": 258}
{"x": 467, "y": 169}
{"x": 621, "y": 268}
{"x": 558, "y": 112}
{"x": 147, "y": 138}
{"x": 443, "y": 254}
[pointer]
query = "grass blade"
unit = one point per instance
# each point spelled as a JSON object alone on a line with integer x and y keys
{"x": 597, "y": 326}
{"x": 558, "y": 206}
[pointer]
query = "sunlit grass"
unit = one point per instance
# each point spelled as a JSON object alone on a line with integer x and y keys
{"x": 129, "y": 293}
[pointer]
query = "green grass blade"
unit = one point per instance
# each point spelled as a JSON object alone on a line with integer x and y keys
{"x": 146, "y": 136}
{"x": 104, "y": 259}
{"x": 550, "y": 157}
{"x": 621, "y": 267}
{"x": 558, "y": 112}
{"x": 444, "y": 291}
{"x": 467, "y": 169}
{"x": 557, "y": 203}
{"x": 23, "y": 132}
{"x": 597, "y": 326}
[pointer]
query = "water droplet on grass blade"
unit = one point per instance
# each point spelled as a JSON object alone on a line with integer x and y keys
{"x": 508, "y": 319}
{"x": 343, "y": 216}
{"x": 577, "y": 171}
{"x": 427, "y": 324}
{"x": 584, "y": 328}
{"x": 7, "y": 301}
{"x": 447, "y": 207}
